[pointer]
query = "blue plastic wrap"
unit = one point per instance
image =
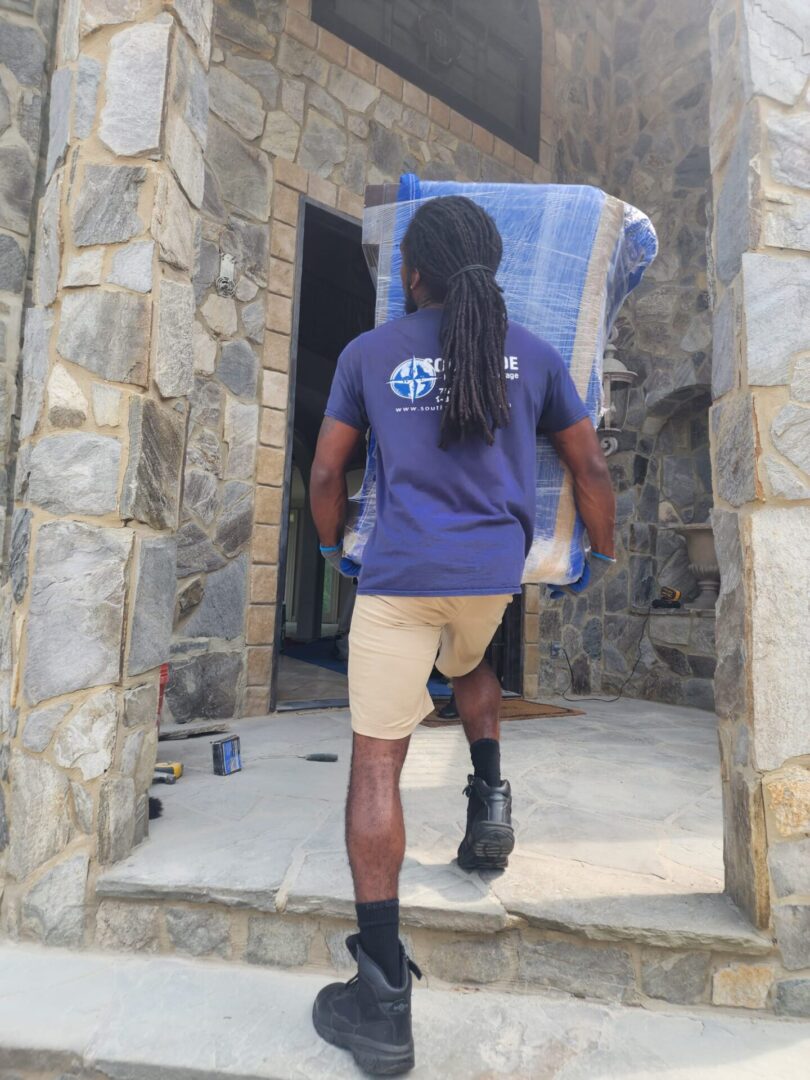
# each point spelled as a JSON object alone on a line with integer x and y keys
{"x": 571, "y": 256}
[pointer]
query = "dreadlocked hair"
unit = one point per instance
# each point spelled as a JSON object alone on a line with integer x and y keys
{"x": 448, "y": 235}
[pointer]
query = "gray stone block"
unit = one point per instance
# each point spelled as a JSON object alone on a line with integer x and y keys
{"x": 480, "y": 961}
{"x": 151, "y": 491}
{"x": 135, "y": 87}
{"x": 241, "y": 435}
{"x": 221, "y": 613}
{"x": 53, "y": 909}
{"x": 153, "y": 606}
{"x": 16, "y": 188}
{"x": 83, "y": 807}
{"x": 250, "y": 245}
{"x": 132, "y": 266}
{"x": 5, "y": 111}
{"x": 241, "y": 171}
{"x": 792, "y": 926}
{"x": 185, "y": 156}
{"x": 84, "y": 268}
{"x": 116, "y": 819}
{"x": 789, "y": 862}
{"x": 261, "y": 74}
{"x": 41, "y": 724}
{"x": 76, "y": 615}
{"x": 140, "y": 705}
{"x": 22, "y": 50}
{"x": 173, "y": 225}
{"x": 236, "y": 102}
{"x": 174, "y": 357}
{"x": 84, "y": 109}
{"x": 235, "y": 523}
{"x": 129, "y": 927}
{"x": 12, "y": 265}
{"x": 253, "y": 318}
{"x": 35, "y": 362}
{"x": 106, "y": 208}
{"x": 791, "y": 435}
{"x": 323, "y": 144}
{"x": 18, "y": 552}
{"x": 39, "y": 810}
{"x": 784, "y": 482}
{"x": 189, "y": 596}
{"x": 733, "y": 430}
{"x": 206, "y": 404}
{"x": 792, "y": 998}
{"x": 204, "y": 687}
{"x": 199, "y": 932}
{"x": 76, "y": 473}
{"x": 67, "y": 405}
{"x": 777, "y": 311}
{"x": 789, "y": 144}
{"x": 605, "y": 973}
{"x": 278, "y": 941}
{"x": 107, "y": 333}
{"x": 195, "y": 552}
{"x": 201, "y": 495}
{"x": 238, "y": 368}
{"x": 58, "y": 119}
{"x": 679, "y": 977}
{"x": 196, "y": 17}
{"x": 87, "y": 739}
{"x": 49, "y": 245}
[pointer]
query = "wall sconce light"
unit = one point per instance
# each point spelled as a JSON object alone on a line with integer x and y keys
{"x": 615, "y": 377}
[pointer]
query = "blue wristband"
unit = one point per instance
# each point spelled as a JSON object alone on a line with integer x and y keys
{"x": 606, "y": 558}
{"x": 329, "y": 550}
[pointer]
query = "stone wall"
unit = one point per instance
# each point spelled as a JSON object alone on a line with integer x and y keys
{"x": 645, "y": 101}
{"x": 107, "y": 369}
{"x": 760, "y": 434}
{"x": 294, "y": 112}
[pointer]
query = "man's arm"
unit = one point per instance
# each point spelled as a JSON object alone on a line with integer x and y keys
{"x": 578, "y": 447}
{"x": 337, "y": 445}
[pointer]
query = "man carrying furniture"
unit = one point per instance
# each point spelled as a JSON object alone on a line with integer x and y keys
{"x": 455, "y": 395}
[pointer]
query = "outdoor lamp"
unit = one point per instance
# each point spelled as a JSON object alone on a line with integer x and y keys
{"x": 615, "y": 377}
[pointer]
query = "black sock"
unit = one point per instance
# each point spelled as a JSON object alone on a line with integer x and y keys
{"x": 379, "y": 936}
{"x": 486, "y": 759}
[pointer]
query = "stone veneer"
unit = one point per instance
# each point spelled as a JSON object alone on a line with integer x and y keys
{"x": 107, "y": 368}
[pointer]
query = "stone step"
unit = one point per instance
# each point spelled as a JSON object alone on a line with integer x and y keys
{"x": 718, "y": 963}
{"x": 165, "y": 1018}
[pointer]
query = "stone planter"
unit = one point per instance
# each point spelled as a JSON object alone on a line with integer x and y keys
{"x": 703, "y": 564}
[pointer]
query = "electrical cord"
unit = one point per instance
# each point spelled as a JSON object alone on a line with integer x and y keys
{"x": 611, "y": 700}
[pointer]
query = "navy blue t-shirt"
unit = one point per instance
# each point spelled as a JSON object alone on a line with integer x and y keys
{"x": 459, "y": 521}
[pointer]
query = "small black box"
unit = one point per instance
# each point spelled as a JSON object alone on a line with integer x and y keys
{"x": 227, "y": 755}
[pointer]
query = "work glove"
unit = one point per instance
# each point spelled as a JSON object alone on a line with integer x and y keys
{"x": 596, "y": 566}
{"x": 340, "y": 562}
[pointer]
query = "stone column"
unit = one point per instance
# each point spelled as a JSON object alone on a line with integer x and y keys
{"x": 760, "y": 429}
{"x": 107, "y": 367}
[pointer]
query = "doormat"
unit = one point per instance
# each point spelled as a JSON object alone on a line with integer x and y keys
{"x": 512, "y": 709}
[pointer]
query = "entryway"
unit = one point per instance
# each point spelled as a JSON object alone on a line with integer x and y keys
{"x": 335, "y": 302}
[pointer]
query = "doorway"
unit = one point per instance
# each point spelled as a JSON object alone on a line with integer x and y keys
{"x": 335, "y": 303}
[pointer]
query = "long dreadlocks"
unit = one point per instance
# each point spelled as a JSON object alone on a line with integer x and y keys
{"x": 456, "y": 247}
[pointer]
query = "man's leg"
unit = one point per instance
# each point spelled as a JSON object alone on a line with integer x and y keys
{"x": 478, "y": 697}
{"x": 375, "y": 841}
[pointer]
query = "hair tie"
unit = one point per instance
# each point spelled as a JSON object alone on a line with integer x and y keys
{"x": 472, "y": 266}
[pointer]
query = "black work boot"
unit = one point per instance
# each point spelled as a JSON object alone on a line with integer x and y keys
{"x": 369, "y": 1016}
{"x": 490, "y": 837}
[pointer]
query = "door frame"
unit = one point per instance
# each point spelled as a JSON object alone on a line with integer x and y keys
{"x": 305, "y": 206}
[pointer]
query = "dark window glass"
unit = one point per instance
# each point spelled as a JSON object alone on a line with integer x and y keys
{"x": 482, "y": 57}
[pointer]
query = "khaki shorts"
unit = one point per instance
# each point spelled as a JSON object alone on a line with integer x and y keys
{"x": 393, "y": 645}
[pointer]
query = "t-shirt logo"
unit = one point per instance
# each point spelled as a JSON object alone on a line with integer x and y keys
{"x": 414, "y": 378}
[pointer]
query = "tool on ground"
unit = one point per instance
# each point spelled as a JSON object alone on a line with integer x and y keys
{"x": 317, "y": 757}
{"x": 227, "y": 755}
{"x": 670, "y": 598}
{"x": 170, "y": 768}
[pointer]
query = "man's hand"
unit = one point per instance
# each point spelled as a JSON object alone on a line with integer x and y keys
{"x": 579, "y": 449}
{"x": 340, "y": 563}
{"x": 337, "y": 445}
{"x": 596, "y": 566}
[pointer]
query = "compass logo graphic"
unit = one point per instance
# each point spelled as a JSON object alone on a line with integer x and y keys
{"x": 414, "y": 378}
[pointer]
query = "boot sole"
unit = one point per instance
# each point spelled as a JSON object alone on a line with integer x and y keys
{"x": 374, "y": 1058}
{"x": 489, "y": 848}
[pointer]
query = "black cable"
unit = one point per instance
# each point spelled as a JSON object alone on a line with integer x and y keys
{"x": 606, "y": 701}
